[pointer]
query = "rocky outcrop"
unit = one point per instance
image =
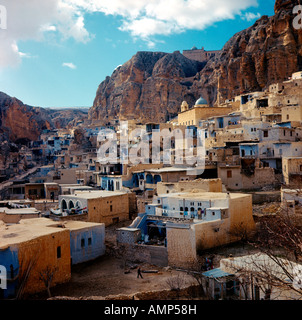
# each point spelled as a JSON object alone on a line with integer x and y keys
{"x": 267, "y": 52}
{"x": 152, "y": 86}
{"x": 20, "y": 122}
{"x": 149, "y": 87}
{"x": 67, "y": 118}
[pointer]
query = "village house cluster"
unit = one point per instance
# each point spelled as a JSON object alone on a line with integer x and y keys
{"x": 56, "y": 215}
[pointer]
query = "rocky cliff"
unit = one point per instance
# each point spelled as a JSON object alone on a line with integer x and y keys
{"x": 267, "y": 52}
{"x": 66, "y": 118}
{"x": 20, "y": 122}
{"x": 149, "y": 87}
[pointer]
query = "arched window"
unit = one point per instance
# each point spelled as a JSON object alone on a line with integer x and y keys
{"x": 149, "y": 179}
{"x": 63, "y": 205}
{"x": 157, "y": 178}
{"x": 71, "y": 204}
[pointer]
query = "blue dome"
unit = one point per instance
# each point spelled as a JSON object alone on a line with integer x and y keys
{"x": 201, "y": 101}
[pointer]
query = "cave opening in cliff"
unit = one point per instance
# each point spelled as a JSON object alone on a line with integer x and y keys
{"x": 23, "y": 142}
{"x": 208, "y": 174}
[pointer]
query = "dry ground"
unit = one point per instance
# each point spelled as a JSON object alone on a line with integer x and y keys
{"x": 106, "y": 275}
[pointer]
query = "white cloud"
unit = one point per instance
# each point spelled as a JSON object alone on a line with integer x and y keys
{"x": 48, "y": 28}
{"x": 144, "y": 19}
{"x": 69, "y": 65}
{"x": 149, "y": 18}
{"x": 32, "y": 20}
{"x": 250, "y": 16}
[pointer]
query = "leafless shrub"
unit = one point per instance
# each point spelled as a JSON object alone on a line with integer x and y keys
{"x": 47, "y": 276}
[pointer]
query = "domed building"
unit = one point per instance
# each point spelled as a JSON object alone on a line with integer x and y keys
{"x": 201, "y": 102}
{"x": 200, "y": 111}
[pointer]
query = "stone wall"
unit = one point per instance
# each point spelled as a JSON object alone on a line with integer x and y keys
{"x": 211, "y": 185}
{"x": 154, "y": 255}
{"x": 181, "y": 246}
{"x": 193, "y": 116}
{"x": 43, "y": 251}
{"x": 238, "y": 181}
{"x": 109, "y": 210}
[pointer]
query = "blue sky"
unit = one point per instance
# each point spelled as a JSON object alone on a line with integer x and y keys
{"x": 59, "y": 52}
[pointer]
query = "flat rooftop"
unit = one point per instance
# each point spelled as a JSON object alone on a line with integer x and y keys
{"x": 78, "y": 188}
{"x": 30, "y": 229}
{"x": 19, "y": 210}
{"x": 292, "y": 158}
{"x": 170, "y": 169}
{"x": 16, "y": 201}
{"x": 258, "y": 261}
{"x": 95, "y": 194}
{"x": 200, "y": 196}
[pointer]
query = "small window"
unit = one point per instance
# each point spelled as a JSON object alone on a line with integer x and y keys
{"x": 265, "y": 134}
{"x": 82, "y": 243}
{"x": 111, "y": 208}
{"x": 89, "y": 241}
{"x": 59, "y": 252}
{"x": 115, "y": 220}
{"x": 229, "y": 174}
{"x": 300, "y": 167}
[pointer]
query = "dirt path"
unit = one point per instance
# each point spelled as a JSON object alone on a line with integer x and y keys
{"x": 105, "y": 276}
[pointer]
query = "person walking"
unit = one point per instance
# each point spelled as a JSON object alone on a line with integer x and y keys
{"x": 139, "y": 274}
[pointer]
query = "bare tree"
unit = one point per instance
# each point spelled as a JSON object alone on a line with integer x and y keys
{"x": 47, "y": 276}
{"x": 241, "y": 232}
{"x": 279, "y": 242}
{"x": 176, "y": 283}
{"x": 25, "y": 270}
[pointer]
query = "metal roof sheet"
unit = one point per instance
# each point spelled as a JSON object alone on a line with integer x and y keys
{"x": 216, "y": 273}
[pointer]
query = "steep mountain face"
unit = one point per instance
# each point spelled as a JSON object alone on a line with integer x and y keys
{"x": 64, "y": 118}
{"x": 21, "y": 122}
{"x": 267, "y": 52}
{"x": 152, "y": 86}
{"x": 149, "y": 87}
